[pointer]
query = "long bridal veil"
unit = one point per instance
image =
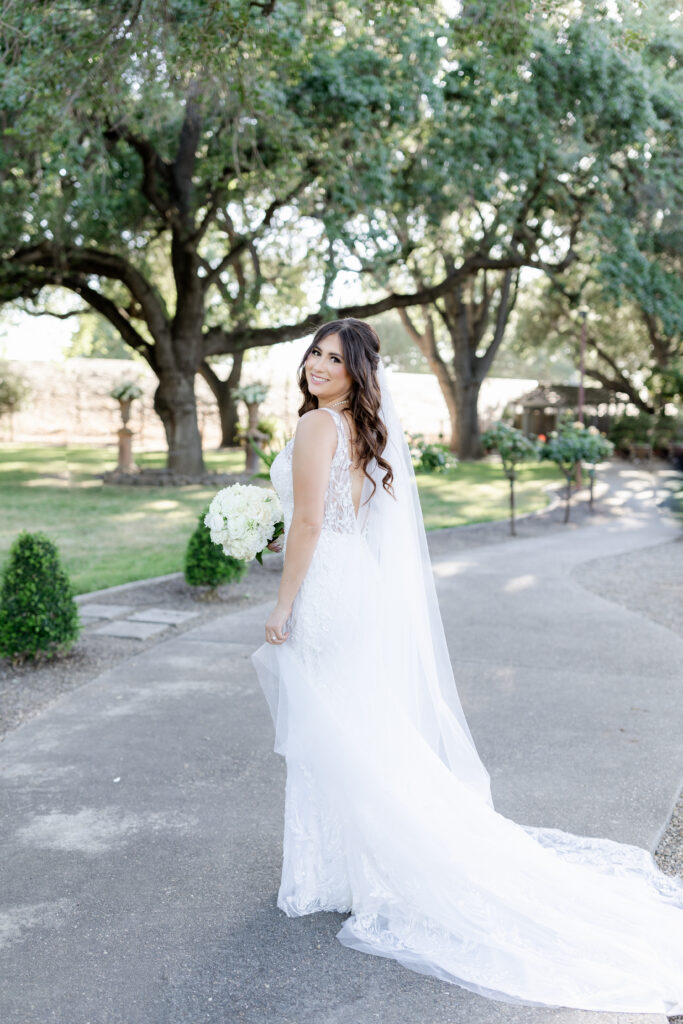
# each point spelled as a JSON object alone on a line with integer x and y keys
{"x": 388, "y": 805}
{"x": 425, "y": 685}
{"x": 440, "y": 881}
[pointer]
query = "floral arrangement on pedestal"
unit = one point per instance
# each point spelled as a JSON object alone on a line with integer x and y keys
{"x": 252, "y": 395}
{"x": 125, "y": 393}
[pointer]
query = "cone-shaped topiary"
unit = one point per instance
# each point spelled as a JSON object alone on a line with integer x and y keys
{"x": 206, "y": 564}
{"x": 38, "y": 614}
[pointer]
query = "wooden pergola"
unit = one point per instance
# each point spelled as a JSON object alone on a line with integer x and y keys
{"x": 539, "y": 410}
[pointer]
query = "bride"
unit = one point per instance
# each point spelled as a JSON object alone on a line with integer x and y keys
{"x": 388, "y": 810}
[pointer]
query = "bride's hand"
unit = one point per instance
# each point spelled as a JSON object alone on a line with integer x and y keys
{"x": 276, "y": 623}
{"x": 275, "y": 545}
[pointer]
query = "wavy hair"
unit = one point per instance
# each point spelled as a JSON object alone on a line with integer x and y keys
{"x": 360, "y": 348}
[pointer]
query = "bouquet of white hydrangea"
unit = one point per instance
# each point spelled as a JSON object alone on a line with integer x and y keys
{"x": 243, "y": 518}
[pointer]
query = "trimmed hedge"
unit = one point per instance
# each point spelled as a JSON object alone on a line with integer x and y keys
{"x": 38, "y": 614}
{"x": 206, "y": 564}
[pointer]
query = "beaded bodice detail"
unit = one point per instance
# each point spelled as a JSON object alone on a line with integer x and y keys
{"x": 339, "y": 515}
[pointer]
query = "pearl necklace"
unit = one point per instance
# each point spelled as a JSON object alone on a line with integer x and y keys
{"x": 332, "y": 404}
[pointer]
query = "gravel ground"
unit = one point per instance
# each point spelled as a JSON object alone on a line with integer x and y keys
{"x": 647, "y": 582}
{"x": 28, "y": 689}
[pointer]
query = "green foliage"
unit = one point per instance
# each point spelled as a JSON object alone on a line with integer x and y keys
{"x": 180, "y": 166}
{"x": 250, "y": 392}
{"x": 14, "y": 390}
{"x": 38, "y": 615}
{"x": 399, "y": 352}
{"x": 596, "y": 447}
{"x": 566, "y": 446}
{"x": 96, "y": 338}
{"x": 570, "y": 445}
{"x": 667, "y": 383}
{"x": 512, "y": 446}
{"x": 270, "y": 426}
{"x": 644, "y": 429}
{"x": 159, "y": 521}
{"x": 429, "y": 456}
{"x": 267, "y": 457}
{"x": 390, "y": 138}
{"x": 206, "y": 565}
{"x": 126, "y": 391}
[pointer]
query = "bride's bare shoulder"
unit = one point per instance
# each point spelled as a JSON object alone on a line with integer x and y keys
{"x": 316, "y": 429}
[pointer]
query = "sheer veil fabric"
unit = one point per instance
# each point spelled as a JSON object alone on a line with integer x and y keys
{"x": 388, "y": 809}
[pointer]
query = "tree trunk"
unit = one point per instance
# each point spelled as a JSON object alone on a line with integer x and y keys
{"x": 227, "y": 406}
{"x": 175, "y": 404}
{"x": 425, "y": 340}
{"x": 449, "y": 391}
{"x": 568, "y": 503}
{"x": 467, "y": 418}
{"x": 513, "y": 529}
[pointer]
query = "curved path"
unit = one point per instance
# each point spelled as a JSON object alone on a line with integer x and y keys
{"x": 142, "y": 813}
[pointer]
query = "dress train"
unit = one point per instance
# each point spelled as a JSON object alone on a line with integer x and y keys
{"x": 378, "y": 824}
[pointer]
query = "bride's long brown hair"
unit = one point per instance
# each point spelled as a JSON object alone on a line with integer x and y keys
{"x": 360, "y": 348}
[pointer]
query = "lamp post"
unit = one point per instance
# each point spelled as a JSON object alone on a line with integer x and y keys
{"x": 583, "y": 312}
{"x": 582, "y": 362}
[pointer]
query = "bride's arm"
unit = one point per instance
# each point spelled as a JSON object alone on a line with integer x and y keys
{"x": 315, "y": 441}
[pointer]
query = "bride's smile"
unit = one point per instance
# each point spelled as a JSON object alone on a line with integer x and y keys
{"x": 326, "y": 374}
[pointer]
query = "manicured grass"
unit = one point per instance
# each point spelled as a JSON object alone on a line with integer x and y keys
{"x": 477, "y": 492}
{"x": 106, "y": 534}
{"x": 112, "y": 534}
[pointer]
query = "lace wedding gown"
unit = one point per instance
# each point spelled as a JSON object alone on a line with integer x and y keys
{"x": 376, "y": 824}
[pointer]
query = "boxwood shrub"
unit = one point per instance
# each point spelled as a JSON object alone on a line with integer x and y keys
{"x": 38, "y": 614}
{"x": 206, "y": 565}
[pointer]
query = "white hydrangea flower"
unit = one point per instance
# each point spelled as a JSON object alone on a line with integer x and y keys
{"x": 242, "y": 519}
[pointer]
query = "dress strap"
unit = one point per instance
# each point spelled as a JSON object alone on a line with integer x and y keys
{"x": 342, "y": 427}
{"x": 335, "y": 415}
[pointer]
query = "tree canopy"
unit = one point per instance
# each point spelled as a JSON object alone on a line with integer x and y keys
{"x": 157, "y": 155}
{"x": 206, "y": 176}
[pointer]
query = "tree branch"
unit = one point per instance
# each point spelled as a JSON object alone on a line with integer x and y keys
{"x": 245, "y": 241}
{"x": 108, "y": 309}
{"x": 218, "y": 340}
{"x": 620, "y": 381}
{"x": 183, "y": 166}
{"x": 265, "y": 6}
{"x": 662, "y": 352}
{"x": 154, "y": 168}
{"x": 99, "y": 263}
{"x": 57, "y": 316}
{"x": 502, "y": 316}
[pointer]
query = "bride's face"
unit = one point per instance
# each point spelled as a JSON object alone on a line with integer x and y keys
{"x": 326, "y": 373}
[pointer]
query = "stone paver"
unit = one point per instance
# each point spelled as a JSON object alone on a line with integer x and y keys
{"x": 166, "y": 615}
{"x": 129, "y": 630}
{"x": 142, "y": 814}
{"x": 104, "y": 611}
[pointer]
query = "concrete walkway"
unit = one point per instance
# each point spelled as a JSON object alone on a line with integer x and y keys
{"x": 142, "y": 813}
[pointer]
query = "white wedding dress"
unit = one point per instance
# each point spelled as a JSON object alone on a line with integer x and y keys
{"x": 379, "y": 822}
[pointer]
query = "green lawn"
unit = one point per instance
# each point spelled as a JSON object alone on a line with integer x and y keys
{"x": 113, "y": 534}
{"x": 477, "y": 492}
